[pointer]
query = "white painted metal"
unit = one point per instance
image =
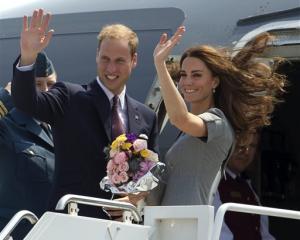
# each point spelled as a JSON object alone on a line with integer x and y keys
{"x": 63, "y": 226}
{"x": 180, "y": 222}
{"x": 71, "y": 198}
{"x": 161, "y": 223}
{"x": 235, "y": 207}
{"x": 18, "y": 217}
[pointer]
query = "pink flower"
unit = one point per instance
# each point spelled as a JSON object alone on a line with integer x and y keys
{"x": 112, "y": 153}
{"x": 123, "y": 177}
{"x": 123, "y": 167}
{"x": 139, "y": 145}
{"x": 110, "y": 165}
{"x": 110, "y": 173}
{"x": 120, "y": 157}
{"x": 116, "y": 179}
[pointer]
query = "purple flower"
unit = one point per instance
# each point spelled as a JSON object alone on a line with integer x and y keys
{"x": 145, "y": 166}
{"x": 131, "y": 137}
{"x": 137, "y": 176}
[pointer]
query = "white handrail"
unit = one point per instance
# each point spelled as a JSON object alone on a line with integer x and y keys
{"x": 70, "y": 198}
{"x": 236, "y": 207}
{"x": 18, "y": 217}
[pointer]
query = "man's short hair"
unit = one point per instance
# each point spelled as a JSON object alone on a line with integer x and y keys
{"x": 119, "y": 31}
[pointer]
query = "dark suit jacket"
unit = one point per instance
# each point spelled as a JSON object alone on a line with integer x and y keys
{"x": 26, "y": 166}
{"x": 6, "y": 103}
{"x": 81, "y": 121}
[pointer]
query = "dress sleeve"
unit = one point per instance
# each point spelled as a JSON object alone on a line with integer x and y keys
{"x": 216, "y": 124}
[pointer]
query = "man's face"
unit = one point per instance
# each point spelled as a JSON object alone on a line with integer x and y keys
{"x": 115, "y": 63}
{"x": 243, "y": 156}
{"x": 43, "y": 84}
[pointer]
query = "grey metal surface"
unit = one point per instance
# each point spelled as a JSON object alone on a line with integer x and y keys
{"x": 245, "y": 25}
{"x": 73, "y": 47}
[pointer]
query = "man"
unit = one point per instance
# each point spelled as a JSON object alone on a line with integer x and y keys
{"x": 80, "y": 116}
{"x": 236, "y": 188}
{"x": 26, "y": 155}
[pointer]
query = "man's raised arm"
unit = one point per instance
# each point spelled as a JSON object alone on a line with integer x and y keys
{"x": 35, "y": 37}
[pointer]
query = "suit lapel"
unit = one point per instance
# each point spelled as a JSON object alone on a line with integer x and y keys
{"x": 134, "y": 116}
{"x": 30, "y": 125}
{"x": 102, "y": 105}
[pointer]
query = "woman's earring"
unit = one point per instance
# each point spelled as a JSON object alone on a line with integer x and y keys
{"x": 213, "y": 90}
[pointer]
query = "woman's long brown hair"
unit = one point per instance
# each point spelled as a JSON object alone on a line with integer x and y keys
{"x": 248, "y": 89}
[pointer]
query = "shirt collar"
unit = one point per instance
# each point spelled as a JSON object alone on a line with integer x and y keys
{"x": 231, "y": 173}
{"x": 110, "y": 95}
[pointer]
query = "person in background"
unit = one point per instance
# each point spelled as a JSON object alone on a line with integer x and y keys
{"x": 226, "y": 100}
{"x": 85, "y": 119}
{"x": 236, "y": 187}
{"x": 26, "y": 155}
{"x": 6, "y": 103}
{"x": 173, "y": 69}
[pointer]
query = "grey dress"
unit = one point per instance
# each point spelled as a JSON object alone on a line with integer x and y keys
{"x": 194, "y": 163}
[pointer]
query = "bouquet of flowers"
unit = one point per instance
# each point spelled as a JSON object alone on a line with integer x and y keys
{"x": 131, "y": 166}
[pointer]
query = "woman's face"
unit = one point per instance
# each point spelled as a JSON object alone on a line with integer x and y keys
{"x": 196, "y": 82}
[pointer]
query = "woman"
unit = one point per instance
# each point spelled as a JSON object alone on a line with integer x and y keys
{"x": 227, "y": 97}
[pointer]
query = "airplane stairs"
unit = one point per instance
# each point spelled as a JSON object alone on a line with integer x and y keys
{"x": 160, "y": 222}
